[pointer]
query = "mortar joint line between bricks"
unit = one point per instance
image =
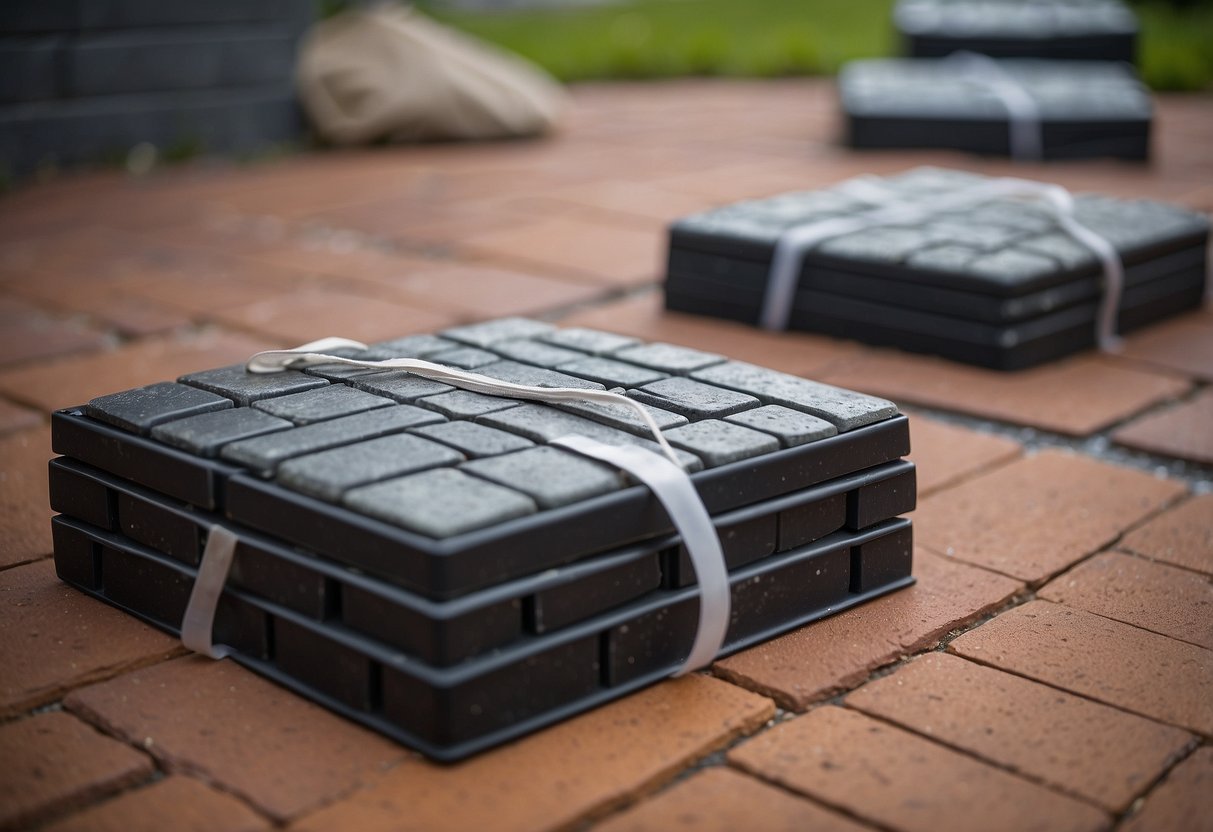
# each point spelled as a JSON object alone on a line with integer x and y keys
{"x": 1098, "y": 446}
{"x": 1139, "y": 802}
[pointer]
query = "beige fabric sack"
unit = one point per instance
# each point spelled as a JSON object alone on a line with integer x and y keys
{"x": 388, "y": 72}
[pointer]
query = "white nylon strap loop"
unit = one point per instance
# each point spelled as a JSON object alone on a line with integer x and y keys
{"x": 797, "y": 241}
{"x": 1023, "y": 112}
{"x": 198, "y": 625}
{"x": 674, "y": 489}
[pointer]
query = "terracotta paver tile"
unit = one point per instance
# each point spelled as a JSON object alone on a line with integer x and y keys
{"x": 53, "y": 762}
{"x": 28, "y": 334}
{"x": 644, "y": 317}
{"x": 946, "y": 453}
{"x": 1184, "y": 431}
{"x": 181, "y": 804}
{"x": 25, "y": 515}
{"x": 1077, "y": 396}
{"x": 902, "y": 781}
{"x": 202, "y": 291}
{"x": 631, "y": 199}
{"x": 341, "y": 256}
{"x": 1099, "y": 658}
{"x": 1181, "y": 801}
{"x": 580, "y": 768}
{"x": 1153, "y": 596}
{"x": 57, "y": 639}
{"x": 839, "y": 652}
{"x": 1183, "y": 345}
{"x": 611, "y": 255}
{"x": 281, "y": 753}
{"x": 73, "y": 381}
{"x": 484, "y": 292}
{"x": 317, "y": 313}
{"x": 725, "y": 800}
{"x": 14, "y": 417}
{"x": 1036, "y": 516}
{"x": 1182, "y": 536}
{"x": 100, "y": 296}
{"x": 1034, "y": 730}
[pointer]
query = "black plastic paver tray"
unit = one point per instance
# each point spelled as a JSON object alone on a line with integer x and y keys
{"x": 998, "y": 284}
{"x": 1085, "y": 110}
{"x": 1087, "y": 30}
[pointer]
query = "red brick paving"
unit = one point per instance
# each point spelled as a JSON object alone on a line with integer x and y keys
{"x": 1182, "y": 536}
{"x": 1184, "y": 431}
{"x": 124, "y": 282}
{"x": 282, "y": 754}
{"x": 1037, "y": 731}
{"x": 551, "y": 780}
{"x": 54, "y": 762}
{"x": 1034, "y": 517}
{"x": 1181, "y": 801}
{"x": 1153, "y": 596}
{"x": 57, "y": 639}
{"x": 1101, "y": 659}
{"x": 901, "y": 781}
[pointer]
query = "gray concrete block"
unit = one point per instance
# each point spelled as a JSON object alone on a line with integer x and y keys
{"x": 412, "y": 346}
{"x": 464, "y": 404}
{"x": 488, "y": 333}
{"x": 141, "y": 409}
{"x": 668, "y": 358}
{"x": 718, "y": 443}
{"x": 244, "y": 388}
{"x": 320, "y": 405}
{"x": 592, "y": 341}
{"x": 464, "y": 358}
{"x": 550, "y": 476}
{"x": 474, "y": 440}
{"x": 329, "y": 474}
{"x": 610, "y": 372}
{"x": 844, "y": 409}
{"x": 623, "y": 417}
{"x": 790, "y": 427}
{"x": 525, "y": 374}
{"x": 440, "y": 503}
{"x": 207, "y": 433}
{"x": 693, "y": 399}
{"x": 536, "y": 352}
{"x": 399, "y": 385}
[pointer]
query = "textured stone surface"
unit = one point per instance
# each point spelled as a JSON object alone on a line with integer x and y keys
{"x": 844, "y": 409}
{"x": 623, "y": 416}
{"x": 693, "y": 399}
{"x": 143, "y": 408}
{"x": 54, "y": 762}
{"x": 592, "y": 341}
{"x": 1152, "y": 596}
{"x": 244, "y": 388}
{"x": 901, "y": 781}
{"x": 725, "y": 800}
{"x": 839, "y": 652}
{"x": 718, "y": 443}
{"x": 1099, "y": 658}
{"x": 1181, "y": 801}
{"x": 331, "y": 473}
{"x": 399, "y": 385}
{"x": 1036, "y": 516}
{"x": 207, "y": 433}
{"x": 250, "y": 737}
{"x": 946, "y": 454}
{"x": 412, "y": 346}
{"x": 668, "y": 358}
{"x": 552, "y": 780}
{"x": 264, "y": 453}
{"x": 467, "y": 358}
{"x": 440, "y": 503}
{"x": 1184, "y": 431}
{"x": 491, "y": 332}
{"x": 536, "y": 352}
{"x": 790, "y": 427}
{"x": 610, "y": 372}
{"x": 550, "y": 476}
{"x": 1182, "y": 536}
{"x": 57, "y": 639}
{"x": 473, "y": 440}
{"x": 330, "y": 402}
{"x": 525, "y": 374}
{"x": 178, "y": 803}
{"x": 1034, "y": 730}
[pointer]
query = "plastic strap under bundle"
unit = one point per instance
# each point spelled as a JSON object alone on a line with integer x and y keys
{"x": 797, "y": 241}
{"x": 663, "y": 475}
{"x": 1024, "y": 131}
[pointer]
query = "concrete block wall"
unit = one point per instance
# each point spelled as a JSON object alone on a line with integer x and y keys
{"x": 85, "y": 80}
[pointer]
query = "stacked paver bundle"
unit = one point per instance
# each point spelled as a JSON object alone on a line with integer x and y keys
{"x": 425, "y": 560}
{"x": 1099, "y": 30}
{"x": 944, "y": 262}
{"x": 1056, "y": 110}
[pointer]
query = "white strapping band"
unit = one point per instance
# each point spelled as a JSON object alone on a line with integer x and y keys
{"x": 793, "y": 244}
{"x": 664, "y": 476}
{"x": 1023, "y": 112}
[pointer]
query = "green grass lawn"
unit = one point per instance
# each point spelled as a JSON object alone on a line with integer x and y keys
{"x": 762, "y": 38}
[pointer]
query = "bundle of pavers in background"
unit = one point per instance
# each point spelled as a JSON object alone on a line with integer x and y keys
{"x": 1079, "y": 109}
{"x": 1091, "y": 30}
{"x": 997, "y": 284}
{"x": 418, "y": 558}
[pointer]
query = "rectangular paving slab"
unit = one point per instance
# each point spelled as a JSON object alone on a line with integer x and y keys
{"x": 320, "y": 405}
{"x": 143, "y": 408}
{"x": 331, "y": 473}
